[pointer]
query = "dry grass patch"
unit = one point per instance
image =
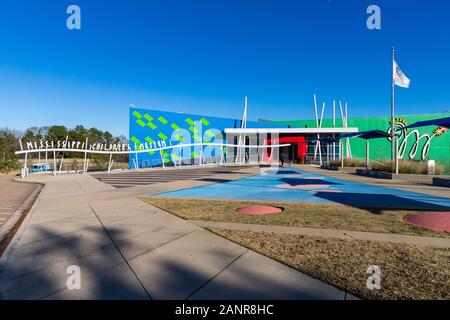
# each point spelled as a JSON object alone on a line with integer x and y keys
{"x": 408, "y": 272}
{"x": 295, "y": 214}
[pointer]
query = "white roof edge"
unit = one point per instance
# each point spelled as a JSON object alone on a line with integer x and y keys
{"x": 291, "y": 130}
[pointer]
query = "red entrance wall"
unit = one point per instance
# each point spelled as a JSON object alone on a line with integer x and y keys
{"x": 299, "y": 140}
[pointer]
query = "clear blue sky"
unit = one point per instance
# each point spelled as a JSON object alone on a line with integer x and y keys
{"x": 204, "y": 56}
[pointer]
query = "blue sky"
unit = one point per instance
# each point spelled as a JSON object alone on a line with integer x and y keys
{"x": 204, "y": 56}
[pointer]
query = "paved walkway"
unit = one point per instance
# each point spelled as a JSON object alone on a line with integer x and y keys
{"x": 294, "y": 185}
{"x": 12, "y": 195}
{"x": 121, "y": 179}
{"x": 127, "y": 249}
{"x": 329, "y": 233}
{"x": 398, "y": 184}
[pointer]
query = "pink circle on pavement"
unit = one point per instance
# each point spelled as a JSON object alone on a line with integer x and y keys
{"x": 259, "y": 210}
{"x": 436, "y": 221}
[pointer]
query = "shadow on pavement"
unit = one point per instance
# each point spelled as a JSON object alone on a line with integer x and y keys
{"x": 378, "y": 202}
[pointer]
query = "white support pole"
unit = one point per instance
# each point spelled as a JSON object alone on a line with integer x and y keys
{"x": 162, "y": 159}
{"x": 346, "y": 125}
{"x": 367, "y": 154}
{"x": 320, "y": 126}
{"x": 60, "y": 164}
{"x": 62, "y": 157}
{"x": 396, "y": 155}
{"x": 171, "y": 156}
{"x": 342, "y": 114}
{"x": 334, "y": 126}
{"x": 343, "y": 125}
{"x": 136, "y": 160}
{"x": 328, "y": 153}
{"x": 110, "y": 162}
{"x": 54, "y": 162}
{"x": 201, "y": 152}
{"x": 243, "y": 126}
{"x": 317, "y": 126}
{"x": 393, "y": 146}
{"x": 221, "y": 154}
{"x": 85, "y": 169}
{"x": 24, "y": 175}
{"x": 341, "y": 152}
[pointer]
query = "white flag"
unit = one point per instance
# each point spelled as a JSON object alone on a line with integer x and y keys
{"x": 399, "y": 77}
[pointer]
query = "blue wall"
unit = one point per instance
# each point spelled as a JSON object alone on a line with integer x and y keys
{"x": 153, "y": 128}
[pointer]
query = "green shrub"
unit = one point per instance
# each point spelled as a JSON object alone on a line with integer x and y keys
{"x": 100, "y": 161}
{"x": 405, "y": 166}
{"x": 355, "y": 162}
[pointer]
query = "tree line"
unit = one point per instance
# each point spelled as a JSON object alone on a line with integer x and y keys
{"x": 9, "y": 143}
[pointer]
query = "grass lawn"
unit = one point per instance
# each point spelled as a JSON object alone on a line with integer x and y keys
{"x": 408, "y": 272}
{"x": 295, "y": 214}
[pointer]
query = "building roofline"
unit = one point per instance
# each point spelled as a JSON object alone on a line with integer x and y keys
{"x": 290, "y": 130}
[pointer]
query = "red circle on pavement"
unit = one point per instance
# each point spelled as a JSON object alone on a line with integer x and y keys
{"x": 259, "y": 210}
{"x": 436, "y": 221}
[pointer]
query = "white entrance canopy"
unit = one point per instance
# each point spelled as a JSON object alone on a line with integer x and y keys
{"x": 291, "y": 130}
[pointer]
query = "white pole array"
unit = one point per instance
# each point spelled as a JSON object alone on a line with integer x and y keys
{"x": 318, "y": 146}
{"x": 334, "y": 126}
{"x": 241, "y": 142}
{"x": 345, "y": 125}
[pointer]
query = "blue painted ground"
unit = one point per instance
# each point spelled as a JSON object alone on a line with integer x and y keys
{"x": 294, "y": 185}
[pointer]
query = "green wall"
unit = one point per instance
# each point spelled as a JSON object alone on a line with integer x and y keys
{"x": 439, "y": 145}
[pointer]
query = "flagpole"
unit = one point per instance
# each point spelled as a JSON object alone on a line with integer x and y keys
{"x": 393, "y": 151}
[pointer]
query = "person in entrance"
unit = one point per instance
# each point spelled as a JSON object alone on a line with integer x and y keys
{"x": 284, "y": 156}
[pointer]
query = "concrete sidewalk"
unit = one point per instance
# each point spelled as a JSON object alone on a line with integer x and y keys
{"x": 397, "y": 184}
{"x": 127, "y": 249}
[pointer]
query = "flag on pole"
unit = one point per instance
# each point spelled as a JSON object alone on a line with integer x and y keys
{"x": 399, "y": 77}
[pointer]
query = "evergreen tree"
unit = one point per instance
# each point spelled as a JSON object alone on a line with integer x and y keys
{"x": 8, "y": 159}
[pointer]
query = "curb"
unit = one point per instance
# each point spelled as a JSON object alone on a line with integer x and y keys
{"x": 15, "y": 217}
{"x": 11, "y": 246}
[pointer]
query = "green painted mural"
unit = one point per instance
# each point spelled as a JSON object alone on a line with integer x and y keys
{"x": 423, "y": 143}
